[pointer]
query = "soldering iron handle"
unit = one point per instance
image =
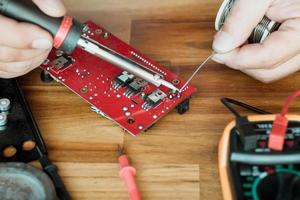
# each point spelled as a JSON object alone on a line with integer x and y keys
{"x": 27, "y": 11}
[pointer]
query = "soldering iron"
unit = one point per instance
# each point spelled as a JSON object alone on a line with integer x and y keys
{"x": 68, "y": 34}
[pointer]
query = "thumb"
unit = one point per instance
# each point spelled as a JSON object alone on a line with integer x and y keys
{"x": 54, "y": 8}
{"x": 23, "y": 35}
{"x": 242, "y": 19}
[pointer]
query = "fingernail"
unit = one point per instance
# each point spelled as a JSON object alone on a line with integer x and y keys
{"x": 218, "y": 58}
{"x": 223, "y": 42}
{"x": 57, "y": 7}
{"x": 41, "y": 44}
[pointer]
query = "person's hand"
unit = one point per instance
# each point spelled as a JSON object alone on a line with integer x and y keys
{"x": 278, "y": 56}
{"x": 23, "y": 46}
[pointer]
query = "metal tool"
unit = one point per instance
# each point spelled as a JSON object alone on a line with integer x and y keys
{"x": 67, "y": 33}
{"x": 123, "y": 62}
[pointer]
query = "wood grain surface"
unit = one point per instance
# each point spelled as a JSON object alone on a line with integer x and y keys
{"x": 177, "y": 158}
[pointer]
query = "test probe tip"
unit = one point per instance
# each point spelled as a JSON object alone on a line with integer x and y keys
{"x": 127, "y": 174}
{"x": 121, "y": 150}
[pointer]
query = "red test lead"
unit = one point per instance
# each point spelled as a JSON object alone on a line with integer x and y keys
{"x": 279, "y": 129}
{"x": 278, "y": 132}
{"x": 127, "y": 173}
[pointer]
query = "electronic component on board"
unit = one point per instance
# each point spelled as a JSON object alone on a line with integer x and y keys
{"x": 122, "y": 80}
{"x": 135, "y": 87}
{"x": 154, "y": 99}
{"x": 61, "y": 62}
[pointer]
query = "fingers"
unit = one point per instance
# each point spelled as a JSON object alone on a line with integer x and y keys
{"x": 268, "y": 76}
{"x": 22, "y": 47}
{"x": 279, "y": 47}
{"x": 7, "y": 75}
{"x": 8, "y": 54}
{"x": 23, "y": 35}
{"x": 54, "y": 8}
{"x": 25, "y": 46}
{"x": 282, "y": 10}
{"x": 14, "y": 69}
{"x": 243, "y": 18}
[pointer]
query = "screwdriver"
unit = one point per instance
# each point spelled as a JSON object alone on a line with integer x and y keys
{"x": 67, "y": 33}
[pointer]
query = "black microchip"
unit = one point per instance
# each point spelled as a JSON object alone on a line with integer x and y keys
{"x": 62, "y": 62}
{"x": 122, "y": 80}
{"x": 135, "y": 87}
{"x": 154, "y": 99}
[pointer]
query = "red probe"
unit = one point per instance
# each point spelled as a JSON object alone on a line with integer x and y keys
{"x": 127, "y": 173}
{"x": 278, "y": 132}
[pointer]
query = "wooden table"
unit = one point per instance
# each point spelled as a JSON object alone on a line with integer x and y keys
{"x": 177, "y": 158}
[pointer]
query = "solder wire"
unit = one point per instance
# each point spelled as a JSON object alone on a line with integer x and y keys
{"x": 196, "y": 71}
{"x": 260, "y": 32}
{"x": 224, "y": 13}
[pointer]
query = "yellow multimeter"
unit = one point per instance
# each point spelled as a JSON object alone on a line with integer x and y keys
{"x": 249, "y": 169}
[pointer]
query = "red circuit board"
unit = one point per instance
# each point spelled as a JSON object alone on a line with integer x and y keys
{"x": 94, "y": 80}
